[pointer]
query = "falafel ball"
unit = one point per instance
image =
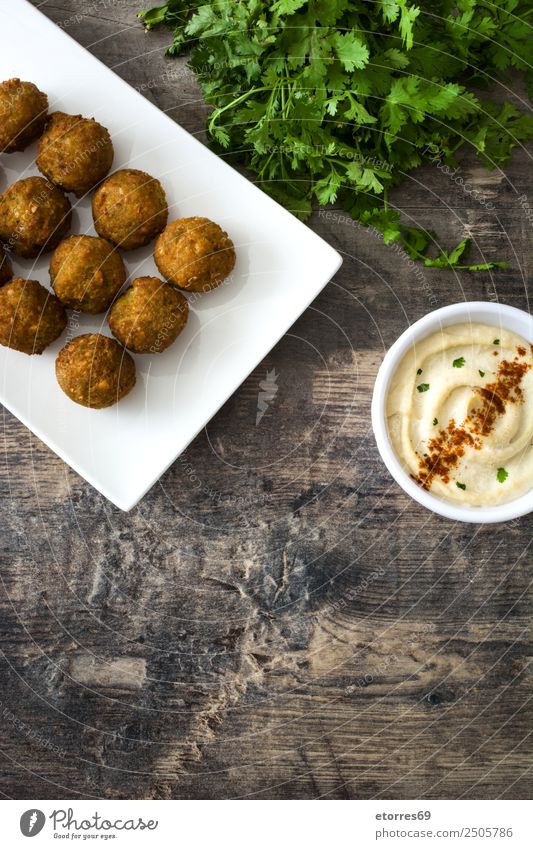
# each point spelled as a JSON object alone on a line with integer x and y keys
{"x": 130, "y": 208}
{"x": 194, "y": 254}
{"x": 6, "y": 272}
{"x": 149, "y": 316}
{"x": 23, "y": 110}
{"x": 75, "y": 153}
{"x": 95, "y": 371}
{"x": 30, "y": 316}
{"x": 86, "y": 273}
{"x": 34, "y": 216}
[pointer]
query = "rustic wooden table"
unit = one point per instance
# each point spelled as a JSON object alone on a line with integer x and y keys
{"x": 276, "y": 619}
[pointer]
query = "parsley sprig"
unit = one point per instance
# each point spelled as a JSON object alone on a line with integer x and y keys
{"x": 336, "y": 101}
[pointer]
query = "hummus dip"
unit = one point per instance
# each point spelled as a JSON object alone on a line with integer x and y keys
{"x": 460, "y": 414}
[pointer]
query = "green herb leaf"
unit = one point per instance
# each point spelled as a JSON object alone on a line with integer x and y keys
{"x": 423, "y": 387}
{"x": 460, "y": 485}
{"x": 288, "y": 7}
{"x": 452, "y": 259}
{"x": 459, "y": 362}
{"x": 502, "y": 475}
{"x": 408, "y": 17}
{"x": 419, "y": 371}
{"x": 481, "y": 373}
{"x": 435, "y": 422}
{"x": 351, "y": 51}
{"x": 496, "y": 342}
{"x": 338, "y": 101}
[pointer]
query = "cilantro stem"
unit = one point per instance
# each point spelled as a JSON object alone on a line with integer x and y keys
{"x": 221, "y": 109}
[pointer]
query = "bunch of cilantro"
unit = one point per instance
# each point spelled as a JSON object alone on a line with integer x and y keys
{"x": 337, "y": 100}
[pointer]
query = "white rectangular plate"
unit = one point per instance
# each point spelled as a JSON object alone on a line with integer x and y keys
{"x": 281, "y": 267}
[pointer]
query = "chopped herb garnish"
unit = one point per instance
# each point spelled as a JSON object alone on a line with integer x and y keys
{"x": 435, "y": 422}
{"x": 481, "y": 373}
{"x": 496, "y": 342}
{"x": 459, "y": 362}
{"x": 423, "y": 387}
{"x": 460, "y": 485}
{"x": 419, "y": 371}
{"x": 502, "y": 475}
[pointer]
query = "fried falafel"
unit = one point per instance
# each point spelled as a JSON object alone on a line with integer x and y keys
{"x": 149, "y": 316}
{"x": 34, "y": 216}
{"x": 95, "y": 371}
{"x": 129, "y": 208}
{"x": 23, "y": 111}
{"x": 6, "y": 272}
{"x": 194, "y": 254}
{"x": 30, "y": 316}
{"x": 75, "y": 153}
{"x": 86, "y": 273}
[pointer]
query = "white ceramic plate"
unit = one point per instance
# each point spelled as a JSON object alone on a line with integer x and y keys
{"x": 281, "y": 267}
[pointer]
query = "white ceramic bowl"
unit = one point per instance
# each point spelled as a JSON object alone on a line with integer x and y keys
{"x": 499, "y": 315}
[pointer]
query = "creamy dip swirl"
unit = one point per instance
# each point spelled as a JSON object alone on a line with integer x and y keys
{"x": 460, "y": 414}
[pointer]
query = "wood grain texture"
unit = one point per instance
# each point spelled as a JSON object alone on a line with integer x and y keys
{"x": 276, "y": 619}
